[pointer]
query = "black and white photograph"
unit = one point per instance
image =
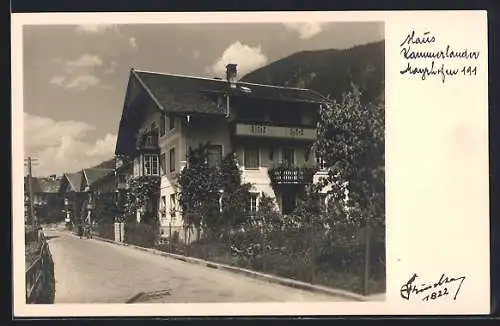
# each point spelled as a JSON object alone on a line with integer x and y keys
{"x": 255, "y": 164}
{"x": 246, "y": 159}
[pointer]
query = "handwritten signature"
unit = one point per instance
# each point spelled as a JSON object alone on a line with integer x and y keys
{"x": 430, "y": 291}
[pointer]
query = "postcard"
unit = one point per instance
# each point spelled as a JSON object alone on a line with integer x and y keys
{"x": 257, "y": 163}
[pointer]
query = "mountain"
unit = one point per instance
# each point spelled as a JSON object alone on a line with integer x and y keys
{"x": 330, "y": 71}
{"x": 109, "y": 164}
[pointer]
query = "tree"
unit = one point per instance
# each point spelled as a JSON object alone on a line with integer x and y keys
{"x": 141, "y": 191}
{"x": 203, "y": 188}
{"x": 351, "y": 142}
{"x": 236, "y": 195}
{"x": 199, "y": 195}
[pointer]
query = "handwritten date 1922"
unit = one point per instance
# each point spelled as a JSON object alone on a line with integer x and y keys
{"x": 431, "y": 291}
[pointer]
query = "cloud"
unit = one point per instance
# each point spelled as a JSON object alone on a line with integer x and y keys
{"x": 60, "y": 147}
{"x": 81, "y": 83}
{"x": 246, "y": 57}
{"x": 196, "y": 54}
{"x": 132, "y": 42}
{"x": 80, "y": 74}
{"x": 112, "y": 68}
{"x": 58, "y": 80}
{"x": 95, "y": 28}
{"x": 306, "y": 30}
{"x": 86, "y": 60}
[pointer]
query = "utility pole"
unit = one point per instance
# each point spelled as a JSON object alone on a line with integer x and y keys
{"x": 30, "y": 187}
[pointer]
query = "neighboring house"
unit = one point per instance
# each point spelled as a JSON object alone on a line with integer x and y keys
{"x": 82, "y": 189}
{"x": 106, "y": 187}
{"x": 96, "y": 183}
{"x": 271, "y": 129}
{"x": 48, "y": 202}
{"x": 73, "y": 195}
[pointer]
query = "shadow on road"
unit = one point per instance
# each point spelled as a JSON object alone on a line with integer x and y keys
{"x": 50, "y": 237}
{"x": 135, "y": 298}
{"x": 143, "y": 297}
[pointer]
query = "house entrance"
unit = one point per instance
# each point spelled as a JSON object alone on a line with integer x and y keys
{"x": 288, "y": 200}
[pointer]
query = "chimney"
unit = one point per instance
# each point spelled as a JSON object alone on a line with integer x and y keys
{"x": 231, "y": 74}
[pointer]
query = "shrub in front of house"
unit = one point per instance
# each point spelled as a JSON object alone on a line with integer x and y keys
{"x": 141, "y": 234}
{"x": 106, "y": 230}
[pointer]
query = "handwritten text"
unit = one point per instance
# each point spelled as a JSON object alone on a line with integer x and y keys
{"x": 426, "y": 58}
{"x": 431, "y": 291}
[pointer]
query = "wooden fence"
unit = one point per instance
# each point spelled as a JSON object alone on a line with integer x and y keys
{"x": 40, "y": 280}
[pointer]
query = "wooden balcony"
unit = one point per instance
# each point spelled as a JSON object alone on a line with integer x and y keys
{"x": 291, "y": 175}
{"x": 148, "y": 141}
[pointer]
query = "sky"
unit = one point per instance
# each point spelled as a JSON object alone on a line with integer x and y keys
{"x": 75, "y": 76}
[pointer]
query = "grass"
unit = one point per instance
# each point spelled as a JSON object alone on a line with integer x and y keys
{"x": 340, "y": 267}
{"x": 296, "y": 269}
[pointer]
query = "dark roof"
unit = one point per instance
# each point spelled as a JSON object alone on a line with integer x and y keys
{"x": 188, "y": 94}
{"x": 93, "y": 175}
{"x": 183, "y": 95}
{"x": 176, "y": 94}
{"x": 75, "y": 180}
{"x": 46, "y": 185}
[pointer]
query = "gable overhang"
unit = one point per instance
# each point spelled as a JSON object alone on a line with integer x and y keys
{"x": 131, "y": 112}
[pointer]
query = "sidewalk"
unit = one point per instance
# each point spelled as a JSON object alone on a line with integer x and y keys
{"x": 266, "y": 277}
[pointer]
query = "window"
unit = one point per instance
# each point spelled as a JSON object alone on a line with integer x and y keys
{"x": 163, "y": 164}
{"x": 151, "y": 164}
{"x": 288, "y": 156}
{"x": 171, "y": 123}
{"x": 122, "y": 178}
{"x": 251, "y": 158}
{"x": 172, "y": 159}
{"x": 163, "y": 123}
{"x": 163, "y": 207}
{"x": 214, "y": 155}
{"x": 253, "y": 202}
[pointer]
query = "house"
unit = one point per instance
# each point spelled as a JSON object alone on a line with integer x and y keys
{"x": 97, "y": 183}
{"x": 47, "y": 200}
{"x": 73, "y": 195}
{"x": 271, "y": 130}
{"x": 82, "y": 189}
{"x": 105, "y": 185}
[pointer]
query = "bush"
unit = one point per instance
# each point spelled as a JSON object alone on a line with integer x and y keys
{"x": 140, "y": 234}
{"x": 106, "y": 230}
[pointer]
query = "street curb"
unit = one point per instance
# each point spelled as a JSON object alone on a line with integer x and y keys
{"x": 257, "y": 275}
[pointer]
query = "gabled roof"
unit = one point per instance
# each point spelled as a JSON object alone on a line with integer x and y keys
{"x": 187, "y": 95}
{"x": 95, "y": 174}
{"x": 74, "y": 180}
{"x": 192, "y": 91}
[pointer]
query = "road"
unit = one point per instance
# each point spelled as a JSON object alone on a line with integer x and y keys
{"x": 93, "y": 271}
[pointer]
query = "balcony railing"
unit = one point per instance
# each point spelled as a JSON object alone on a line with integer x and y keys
{"x": 147, "y": 140}
{"x": 122, "y": 185}
{"x": 291, "y": 175}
